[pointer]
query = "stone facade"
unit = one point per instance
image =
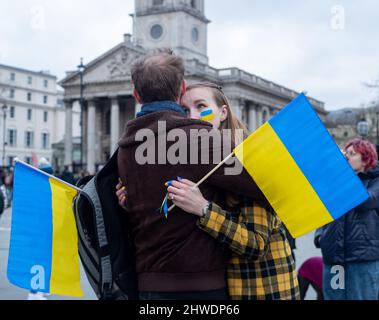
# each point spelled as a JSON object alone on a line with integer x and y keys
{"x": 343, "y": 124}
{"x": 107, "y": 93}
{"x": 34, "y": 118}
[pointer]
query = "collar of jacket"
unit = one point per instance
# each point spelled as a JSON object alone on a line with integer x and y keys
{"x": 152, "y": 107}
{"x": 371, "y": 174}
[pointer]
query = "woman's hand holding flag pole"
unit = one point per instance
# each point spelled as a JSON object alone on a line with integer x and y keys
{"x": 208, "y": 175}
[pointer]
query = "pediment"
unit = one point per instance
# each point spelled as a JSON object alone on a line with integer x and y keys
{"x": 112, "y": 66}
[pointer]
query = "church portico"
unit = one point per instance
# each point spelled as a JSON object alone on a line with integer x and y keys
{"x": 104, "y": 119}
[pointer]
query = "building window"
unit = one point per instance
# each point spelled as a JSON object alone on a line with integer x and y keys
{"x": 13, "y": 76}
{"x": 29, "y": 96}
{"x": 157, "y": 2}
{"x": 11, "y": 94}
{"x": 45, "y": 83}
{"x": 28, "y": 160}
{"x": 44, "y": 99}
{"x": 29, "y": 114}
{"x": 45, "y": 115}
{"x": 195, "y": 34}
{"x": 156, "y": 31}
{"x": 30, "y": 80}
{"x": 12, "y": 137}
{"x": 45, "y": 141}
{"x": 29, "y": 135}
{"x": 12, "y": 112}
{"x": 60, "y": 103}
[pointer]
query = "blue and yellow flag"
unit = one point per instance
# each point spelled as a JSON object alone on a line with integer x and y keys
{"x": 300, "y": 169}
{"x": 43, "y": 253}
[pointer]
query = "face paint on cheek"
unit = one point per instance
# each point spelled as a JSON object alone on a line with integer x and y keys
{"x": 207, "y": 115}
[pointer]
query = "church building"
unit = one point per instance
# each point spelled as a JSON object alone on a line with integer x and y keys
{"x": 108, "y": 103}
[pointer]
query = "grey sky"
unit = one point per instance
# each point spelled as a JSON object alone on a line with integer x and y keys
{"x": 290, "y": 42}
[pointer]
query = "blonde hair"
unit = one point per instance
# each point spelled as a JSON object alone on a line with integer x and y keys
{"x": 232, "y": 123}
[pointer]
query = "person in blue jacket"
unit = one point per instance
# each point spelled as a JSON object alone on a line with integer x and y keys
{"x": 350, "y": 245}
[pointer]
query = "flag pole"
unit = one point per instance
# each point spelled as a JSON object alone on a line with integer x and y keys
{"x": 208, "y": 175}
{"x": 49, "y": 175}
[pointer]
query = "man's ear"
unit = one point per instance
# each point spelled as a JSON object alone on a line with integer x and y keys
{"x": 136, "y": 96}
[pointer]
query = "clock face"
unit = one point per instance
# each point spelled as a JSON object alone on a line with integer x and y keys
{"x": 156, "y": 31}
{"x": 195, "y": 34}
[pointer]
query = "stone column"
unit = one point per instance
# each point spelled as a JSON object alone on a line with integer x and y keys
{"x": 91, "y": 136}
{"x": 115, "y": 124}
{"x": 252, "y": 118}
{"x": 260, "y": 118}
{"x": 68, "y": 135}
{"x": 267, "y": 112}
{"x": 237, "y": 108}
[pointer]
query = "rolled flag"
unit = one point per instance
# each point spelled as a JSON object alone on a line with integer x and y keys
{"x": 207, "y": 115}
{"x": 300, "y": 169}
{"x": 43, "y": 253}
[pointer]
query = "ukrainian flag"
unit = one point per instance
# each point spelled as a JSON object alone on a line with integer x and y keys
{"x": 43, "y": 254}
{"x": 300, "y": 169}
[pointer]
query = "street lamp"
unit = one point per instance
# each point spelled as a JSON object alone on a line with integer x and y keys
{"x": 363, "y": 128}
{"x": 81, "y": 69}
{"x": 4, "y": 107}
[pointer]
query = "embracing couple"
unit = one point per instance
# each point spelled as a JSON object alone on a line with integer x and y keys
{"x": 222, "y": 240}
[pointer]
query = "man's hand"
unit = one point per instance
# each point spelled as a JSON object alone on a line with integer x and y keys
{"x": 187, "y": 196}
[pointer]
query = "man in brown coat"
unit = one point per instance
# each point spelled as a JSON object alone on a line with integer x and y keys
{"x": 174, "y": 258}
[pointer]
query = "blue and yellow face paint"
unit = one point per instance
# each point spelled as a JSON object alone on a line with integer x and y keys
{"x": 207, "y": 115}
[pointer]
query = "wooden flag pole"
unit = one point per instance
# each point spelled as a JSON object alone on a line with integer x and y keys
{"x": 208, "y": 175}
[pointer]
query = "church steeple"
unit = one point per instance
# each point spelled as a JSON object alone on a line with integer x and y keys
{"x": 178, "y": 24}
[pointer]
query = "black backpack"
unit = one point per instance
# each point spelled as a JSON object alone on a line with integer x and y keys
{"x": 105, "y": 248}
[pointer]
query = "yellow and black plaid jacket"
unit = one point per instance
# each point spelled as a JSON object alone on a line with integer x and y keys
{"x": 262, "y": 266}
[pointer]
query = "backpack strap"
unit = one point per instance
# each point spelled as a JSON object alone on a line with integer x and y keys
{"x": 104, "y": 254}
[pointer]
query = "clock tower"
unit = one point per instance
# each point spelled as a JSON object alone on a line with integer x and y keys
{"x": 177, "y": 24}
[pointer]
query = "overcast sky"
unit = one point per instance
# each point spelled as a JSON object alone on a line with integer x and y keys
{"x": 328, "y": 48}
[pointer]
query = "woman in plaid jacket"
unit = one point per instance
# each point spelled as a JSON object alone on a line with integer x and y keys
{"x": 261, "y": 266}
